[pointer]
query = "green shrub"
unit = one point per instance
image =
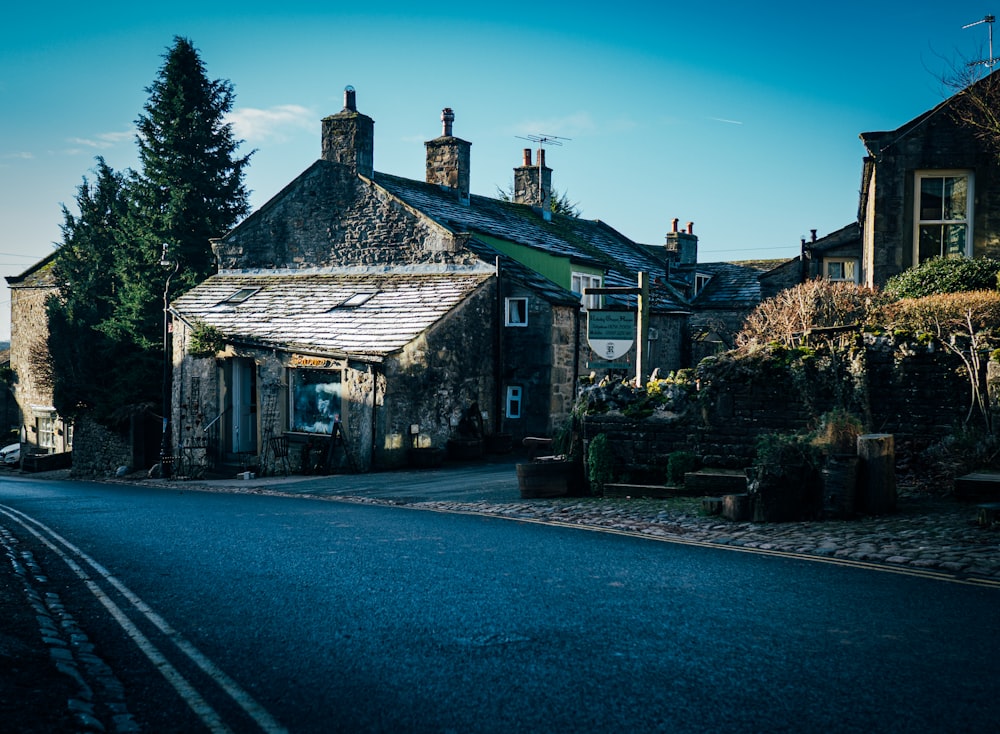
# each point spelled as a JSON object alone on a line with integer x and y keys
{"x": 788, "y": 449}
{"x": 680, "y": 463}
{"x": 944, "y": 275}
{"x": 206, "y": 340}
{"x": 600, "y": 463}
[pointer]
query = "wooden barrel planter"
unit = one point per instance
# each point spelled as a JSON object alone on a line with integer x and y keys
{"x": 544, "y": 479}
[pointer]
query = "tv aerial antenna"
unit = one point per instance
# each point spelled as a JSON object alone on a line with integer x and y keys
{"x": 992, "y": 60}
{"x": 543, "y": 140}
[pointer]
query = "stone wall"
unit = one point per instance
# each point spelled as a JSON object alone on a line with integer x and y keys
{"x": 915, "y": 392}
{"x": 330, "y": 217}
{"x": 99, "y": 451}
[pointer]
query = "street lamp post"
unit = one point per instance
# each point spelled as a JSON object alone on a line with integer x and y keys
{"x": 165, "y": 437}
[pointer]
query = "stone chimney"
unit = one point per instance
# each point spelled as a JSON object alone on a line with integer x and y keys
{"x": 533, "y": 183}
{"x": 448, "y": 159}
{"x": 682, "y": 247}
{"x": 349, "y": 137}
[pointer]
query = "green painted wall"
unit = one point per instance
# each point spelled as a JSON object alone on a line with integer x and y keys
{"x": 556, "y": 268}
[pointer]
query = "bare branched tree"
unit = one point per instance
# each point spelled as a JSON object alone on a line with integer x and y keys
{"x": 975, "y": 103}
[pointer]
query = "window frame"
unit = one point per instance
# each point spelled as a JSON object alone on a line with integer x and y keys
{"x": 45, "y": 432}
{"x": 852, "y": 261}
{"x": 579, "y": 281}
{"x": 335, "y": 412}
{"x": 508, "y": 303}
{"x": 514, "y": 404}
{"x": 919, "y": 222}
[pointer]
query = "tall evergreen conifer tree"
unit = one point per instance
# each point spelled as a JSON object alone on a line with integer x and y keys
{"x": 106, "y": 325}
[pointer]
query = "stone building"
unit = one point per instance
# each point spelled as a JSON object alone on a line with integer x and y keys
{"x": 395, "y": 314}
{"x": 929, "y": 188}
{"x": 42, "y": 430}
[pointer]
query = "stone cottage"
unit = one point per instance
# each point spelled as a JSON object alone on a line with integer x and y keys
{"x": 358, "y": 316}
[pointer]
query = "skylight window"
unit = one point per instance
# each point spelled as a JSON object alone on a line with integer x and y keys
{"x": 356, "y": 300}
{"x": 240, "y": 296}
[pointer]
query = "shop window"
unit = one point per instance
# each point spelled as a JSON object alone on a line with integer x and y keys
{"x": 316, "y": 400}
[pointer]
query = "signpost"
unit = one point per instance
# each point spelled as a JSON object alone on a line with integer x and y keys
{"x": 612, "y": 333}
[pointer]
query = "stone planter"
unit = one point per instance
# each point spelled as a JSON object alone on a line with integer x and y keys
{"x": 782, "y": 493}
{"x": 544, "y": 479}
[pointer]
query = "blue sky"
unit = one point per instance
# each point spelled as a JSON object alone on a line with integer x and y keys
{"x": 740, "y": 117}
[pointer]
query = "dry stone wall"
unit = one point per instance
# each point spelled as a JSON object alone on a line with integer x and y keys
{"x": 918, "y": 393}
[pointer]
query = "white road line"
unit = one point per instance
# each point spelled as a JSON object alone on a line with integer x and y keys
{"x": 211, "y": 719}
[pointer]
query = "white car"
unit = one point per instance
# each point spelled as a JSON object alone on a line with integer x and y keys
{"x": 11, "y": 455}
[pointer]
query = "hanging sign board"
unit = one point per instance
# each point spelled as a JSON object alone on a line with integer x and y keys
{"x": 610, "y": 333}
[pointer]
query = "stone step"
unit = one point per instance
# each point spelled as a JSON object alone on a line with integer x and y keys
{"x": 716, "y": 481}
{"x": 980, "y": 485}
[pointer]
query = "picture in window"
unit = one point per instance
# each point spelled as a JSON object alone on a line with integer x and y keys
{"x": 316, "y": 397}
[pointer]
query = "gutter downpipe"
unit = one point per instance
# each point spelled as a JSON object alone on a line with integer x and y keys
{"x": 498, "y": 354}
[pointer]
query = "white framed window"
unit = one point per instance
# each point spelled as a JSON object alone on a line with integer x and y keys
{"x": 700, "y": 281}
{"x": 843, "y": 269}
{"x": 514, "y": 397}
{"x": 579, "y": 282}
{"x": 517, "y": 312}
{"x": 942, "y": 215}
{"x": 46, "y": 427}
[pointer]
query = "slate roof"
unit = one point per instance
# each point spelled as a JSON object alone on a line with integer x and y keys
{"x": 585, "y": 241}
{"x": 848, "y": 237}
{"x": 305, "y": 311}
{"x": 731, "y": 286}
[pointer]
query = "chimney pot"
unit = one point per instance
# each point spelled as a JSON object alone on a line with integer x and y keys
{"x": 447, "y": 118}
{"x": 350, "y": 99}
{"x": 690, "y": 228}
{"x": 675, "y": 224}
{"x": 541, "y": 157}
{"x": 527, "y": 156}
{"x": 813, "y": 234}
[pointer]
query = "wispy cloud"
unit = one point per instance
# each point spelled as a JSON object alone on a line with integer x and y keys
{"x": 103, "y": 141}
{"x": 275, "y": 123}
{"x": 723, "y": 119}
{"x": 22, "y": 155}
{"x": 577, "y": 124}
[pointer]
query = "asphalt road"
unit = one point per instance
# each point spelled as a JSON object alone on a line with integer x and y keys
{"x": 224, "y": 612}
